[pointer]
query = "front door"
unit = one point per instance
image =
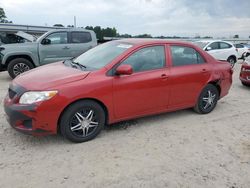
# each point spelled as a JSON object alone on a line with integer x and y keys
{"x": 56, "y": 48}
{"x": 146, "y": 90}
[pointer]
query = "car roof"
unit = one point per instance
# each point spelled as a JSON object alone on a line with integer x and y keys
{"x": 69, "y": 29}
{"x": 137, "y": 41}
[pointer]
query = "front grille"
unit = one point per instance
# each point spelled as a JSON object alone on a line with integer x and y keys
{"x": 11, "y": 93}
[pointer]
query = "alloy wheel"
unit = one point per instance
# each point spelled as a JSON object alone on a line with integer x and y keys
{"x": 20, "y": 68}
{"x": 208, "y": 101}
{"x": 84, "y": 123}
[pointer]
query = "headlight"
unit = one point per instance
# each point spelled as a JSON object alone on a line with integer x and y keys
{"x": 36, "y": 96}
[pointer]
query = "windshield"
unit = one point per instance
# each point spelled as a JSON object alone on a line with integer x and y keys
{"x": 42, "y": 36}
{"x": 201, "y": 44}
{"x": 101, "y": 55}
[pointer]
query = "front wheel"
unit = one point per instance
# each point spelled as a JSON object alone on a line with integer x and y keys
{"x": 82, "y": 121}
{"x": 18, "y": 66}
{"x": 207, "y": 99}
{"x": 232, "y": 61}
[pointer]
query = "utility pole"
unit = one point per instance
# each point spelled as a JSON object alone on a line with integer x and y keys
{"x": 75, "y": 21}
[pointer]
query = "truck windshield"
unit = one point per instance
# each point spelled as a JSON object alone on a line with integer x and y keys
{"x": 98, "y": 57}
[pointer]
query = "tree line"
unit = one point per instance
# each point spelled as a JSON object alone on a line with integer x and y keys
{"x": 104, "y": 32}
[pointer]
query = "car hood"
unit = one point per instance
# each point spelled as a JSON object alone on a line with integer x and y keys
{"x": 49, "y": 76}
{"x": 18, "y": 47}
{"x": 26, "y": 36}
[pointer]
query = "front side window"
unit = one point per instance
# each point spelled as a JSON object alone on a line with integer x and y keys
{"x": 182, "y": 55}
{"x": 58, "y": 38}
{"x": 148, "y": 58}
{"x": 80, "y": 37}
{"x": 214, "y": 46}
{"x": 224, "y": 45}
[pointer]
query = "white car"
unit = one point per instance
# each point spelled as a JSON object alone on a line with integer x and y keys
{"x": 220, "y": 50}
{"x": 243, "y": 49}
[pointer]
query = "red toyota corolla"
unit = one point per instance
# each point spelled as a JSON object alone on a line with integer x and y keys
{"x": 116, "y": 81}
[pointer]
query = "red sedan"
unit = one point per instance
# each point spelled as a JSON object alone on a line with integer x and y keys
{"x": 245, "y": 72}
{"x": 116, "y": 81}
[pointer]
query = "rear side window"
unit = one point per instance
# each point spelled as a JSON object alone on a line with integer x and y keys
{"x": 224, "y": 45}
{"x": 80, "y": 37}
{"x": 182, "y": 55}
{"x": 214, "y": 46}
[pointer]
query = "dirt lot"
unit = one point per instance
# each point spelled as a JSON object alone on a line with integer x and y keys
{"x": 179, "y": 149}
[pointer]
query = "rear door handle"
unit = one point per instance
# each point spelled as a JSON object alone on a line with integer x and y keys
{"x": 164, "y": 76}
{"x": 66, "y": 48}
{"x": 204, "y": 70}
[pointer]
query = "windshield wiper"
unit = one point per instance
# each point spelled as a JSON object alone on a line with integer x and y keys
{"x": 78, "y": 64}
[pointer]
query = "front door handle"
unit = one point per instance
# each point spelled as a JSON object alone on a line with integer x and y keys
{"x": 66, "y": 48}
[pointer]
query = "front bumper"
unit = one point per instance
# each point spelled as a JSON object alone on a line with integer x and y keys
{"x": 21, "y": 118}
{"x": 35, "y": 119}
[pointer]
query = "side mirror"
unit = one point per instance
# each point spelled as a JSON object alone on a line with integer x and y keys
{"x": 46, "y": 41}
{"x": 208, "y": 48}
{"x": 124, "y": 70}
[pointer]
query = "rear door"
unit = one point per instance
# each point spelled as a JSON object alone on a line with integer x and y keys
{"x": 214, "y": 50}
{"x": 80, "y": 42}
{"x": 189, "y": 73}
{"x": 56, "y": 50}
{"x": 226, "y": 50}
{"x": 147, "y": 89}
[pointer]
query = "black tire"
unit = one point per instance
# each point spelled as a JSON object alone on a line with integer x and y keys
{"x": 245, "y": 84}
{"x": 232, "y": 61}
{"x": 75, "y": 127}
{"x": 204, "y": 100}
{"x": 18, "y": 66}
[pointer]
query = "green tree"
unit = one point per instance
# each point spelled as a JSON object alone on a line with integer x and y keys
{"x": 236, "y": 36}
{"x": 98, "y": 32}
{"x": 2, "y": 15}
{"x": 143, "y": 36}
{"x": 58, "y": 25}
{"x": 89, "y": 28}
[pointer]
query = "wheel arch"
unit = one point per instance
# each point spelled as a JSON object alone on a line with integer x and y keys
{"x": 12, "y": 57}
{"x": 84, "y": 99}
{"x": 216, "y": 83}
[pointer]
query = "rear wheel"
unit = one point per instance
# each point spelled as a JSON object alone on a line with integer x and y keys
{"x": 245, "y": 84}
{"x": 82, "y": 121}
{"x": 18, "y": 66}
{"x": 207, "y": 99}
{"x": 232, "y": 61}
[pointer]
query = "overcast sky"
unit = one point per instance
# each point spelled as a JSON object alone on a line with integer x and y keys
{"x": 157, "y": 17}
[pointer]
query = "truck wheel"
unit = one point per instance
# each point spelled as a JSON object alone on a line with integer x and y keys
{"x": 18, "y": 66}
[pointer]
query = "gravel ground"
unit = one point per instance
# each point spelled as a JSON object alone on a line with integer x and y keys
{"x": 178, "y": 149}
